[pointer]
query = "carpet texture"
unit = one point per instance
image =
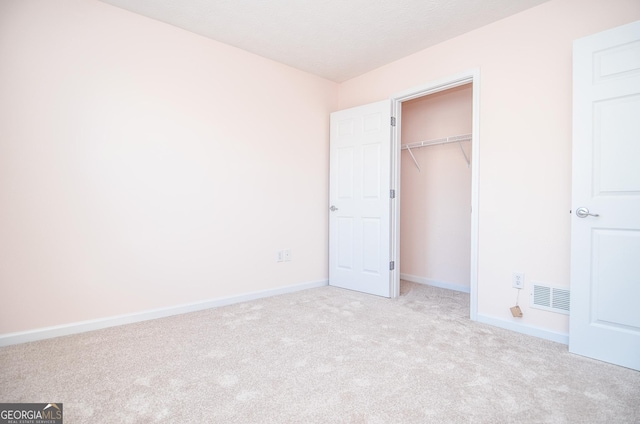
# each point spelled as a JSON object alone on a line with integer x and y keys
{"x": 324, "y": 355}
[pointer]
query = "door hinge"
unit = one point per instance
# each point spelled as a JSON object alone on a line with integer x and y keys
{"x": 392, "y": 265}
{"x": 392, "y": 194}
{"x": 393, "y": 121}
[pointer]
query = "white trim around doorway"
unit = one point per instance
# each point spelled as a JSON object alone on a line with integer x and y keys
{"x": 470, "y": 76}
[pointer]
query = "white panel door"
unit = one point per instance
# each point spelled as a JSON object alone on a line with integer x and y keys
{"x": 359, "y": 187}
{"x": 605, "y": 246}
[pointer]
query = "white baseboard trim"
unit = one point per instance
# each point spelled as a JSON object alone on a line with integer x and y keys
{"x": 97, "y": 324}
{"x": 525, "y": 329}
{"x": 434, "y": 283}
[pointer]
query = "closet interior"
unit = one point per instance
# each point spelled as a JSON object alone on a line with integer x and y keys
{"x": 435, "y": 204}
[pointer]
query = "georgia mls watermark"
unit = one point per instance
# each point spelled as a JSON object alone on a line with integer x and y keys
{"x": 30, "y": 413}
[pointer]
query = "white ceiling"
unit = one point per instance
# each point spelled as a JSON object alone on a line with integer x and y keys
{"x": 335, "y": 39}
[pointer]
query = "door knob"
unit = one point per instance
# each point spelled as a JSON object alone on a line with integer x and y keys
{"x": 584, "y": 212}
{"x": 333, "y": 208}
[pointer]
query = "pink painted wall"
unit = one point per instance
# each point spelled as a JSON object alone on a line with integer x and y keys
{"x": 143, "y": 166}
{"x": 435, "y": 218}
{"x": 525, "y": 138}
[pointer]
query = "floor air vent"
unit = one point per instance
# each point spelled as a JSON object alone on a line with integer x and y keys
{"x": 549, "y": 298}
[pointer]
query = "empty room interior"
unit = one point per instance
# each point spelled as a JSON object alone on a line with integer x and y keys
{"x": 344, "y": 212}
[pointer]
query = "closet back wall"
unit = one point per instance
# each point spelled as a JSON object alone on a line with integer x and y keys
{"x": 435, "y": 220}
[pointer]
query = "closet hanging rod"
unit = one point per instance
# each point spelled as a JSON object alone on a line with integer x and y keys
{"x": 445, "y": 140}
{"x": 453, "y": 139}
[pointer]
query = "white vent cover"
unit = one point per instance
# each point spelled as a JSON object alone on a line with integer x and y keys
{"x": 554, "y": 299}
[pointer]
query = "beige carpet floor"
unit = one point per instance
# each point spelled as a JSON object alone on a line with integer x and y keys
{"x": 323, "y": 355}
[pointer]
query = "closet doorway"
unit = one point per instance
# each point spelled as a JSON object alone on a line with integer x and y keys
{"x": 435, "y": 173}
{"x": 436, "y": 218}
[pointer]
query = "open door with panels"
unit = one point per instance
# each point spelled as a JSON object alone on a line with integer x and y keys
{"x": 360, "y": 199}
{"x": 605, "y": 224}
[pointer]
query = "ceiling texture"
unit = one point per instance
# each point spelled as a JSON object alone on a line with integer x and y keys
{"x": 334, "y": 39}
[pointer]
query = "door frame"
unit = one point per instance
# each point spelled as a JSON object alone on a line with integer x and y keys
{"x": 469, "y": 76}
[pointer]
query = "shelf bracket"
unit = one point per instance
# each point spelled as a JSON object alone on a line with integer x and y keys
{"x": 466, "y": 158}
{"x": 414, "y": 159}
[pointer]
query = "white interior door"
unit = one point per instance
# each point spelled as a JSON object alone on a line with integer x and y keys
{"x": 359, "y": 195}
{"x": 605, "y": 246}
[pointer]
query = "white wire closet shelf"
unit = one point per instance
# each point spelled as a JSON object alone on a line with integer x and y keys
{"x": 426, "y": 143}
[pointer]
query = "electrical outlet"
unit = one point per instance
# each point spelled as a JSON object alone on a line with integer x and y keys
{"x": 286, "y": 255}
{"x": 517, "y": 280}
{"x": 280, "y": 256}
